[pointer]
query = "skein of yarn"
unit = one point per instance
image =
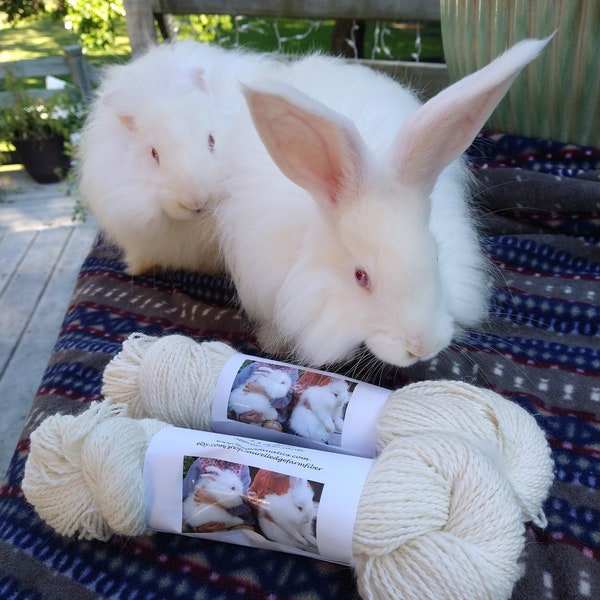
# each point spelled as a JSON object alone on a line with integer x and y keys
{"x": 173, "y": 378}
{"x": 435, "y": 519}
{"x": 77, "y": 475}
{"x": 478, "y": 414}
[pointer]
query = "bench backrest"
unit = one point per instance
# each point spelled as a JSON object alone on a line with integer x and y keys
{"x": 424, "y": 10}
{"x": 430, "y": 78}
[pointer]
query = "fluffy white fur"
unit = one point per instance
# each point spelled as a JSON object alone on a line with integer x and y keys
{"x": 319, "y": 410}
{"x": 225, "y": 490}
{"x": 148, "y": 169}
{"x": 273, "y": 383}
{"x": 287, "y": 518}
{"x": 363, "y": 177}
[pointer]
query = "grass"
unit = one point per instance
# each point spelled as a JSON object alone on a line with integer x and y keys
{"x": 46, "y": 36}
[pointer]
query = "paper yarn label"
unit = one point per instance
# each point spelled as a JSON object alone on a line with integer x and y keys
{"x": 253, "y": 493}
{"x": 276, "y": 401}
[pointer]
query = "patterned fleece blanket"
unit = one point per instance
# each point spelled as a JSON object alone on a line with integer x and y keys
{"x": 540, "y": 213}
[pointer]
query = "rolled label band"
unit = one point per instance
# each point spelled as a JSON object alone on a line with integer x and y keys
{"x": 253, "y": 493}
{"x": 276, "y": 401}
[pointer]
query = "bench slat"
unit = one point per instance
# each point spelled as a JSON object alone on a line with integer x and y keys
{"x": 424, "y": 10}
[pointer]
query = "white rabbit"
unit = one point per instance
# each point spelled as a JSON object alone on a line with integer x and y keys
{"x": 370, "y": 240}
{"x": 218, "y": 490}
{"x": 264, "y": 385}
{"x": 287, "y": 518}
{"x": 150, "y": 157}
{"x": 319, "y": 410}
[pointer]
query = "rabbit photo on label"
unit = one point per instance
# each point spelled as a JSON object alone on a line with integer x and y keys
{"x": 252, "y": 400}
{"x": 318, "y": 413}
{"x": 150, "y": 160}
{"x": 207, "y": 506}
{"x": 285, "y": 508}
{"x": 347, "y": 218}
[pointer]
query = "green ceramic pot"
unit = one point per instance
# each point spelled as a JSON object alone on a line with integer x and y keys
{"x": 557, "y": 97}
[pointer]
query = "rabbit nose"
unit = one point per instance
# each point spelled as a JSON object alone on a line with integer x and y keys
{"x": 415, "y": 348}
{"x": 195, "y": 205}
{"x": 198, "y": 204}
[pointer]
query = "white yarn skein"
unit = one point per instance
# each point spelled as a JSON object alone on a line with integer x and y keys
{"x": 78, "y": 471}
{"x": 442, "y": 406}
{"x": 435, "y": 519}
{"x": 173, "y": 378}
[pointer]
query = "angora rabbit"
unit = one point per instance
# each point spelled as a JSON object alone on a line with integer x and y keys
{"x": 287, "y": 518}
{"x": 356, "y": 229}
{"x": 150, "y": 156}
{"x": 216, "y": 491}
{"x": 319, "y": 411}
{"x": 265, "y": 385}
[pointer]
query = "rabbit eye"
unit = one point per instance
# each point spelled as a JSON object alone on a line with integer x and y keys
{"x": 362, "y": 278}
{"x": 155, "y": 156}
{"x": 211, "y": 142}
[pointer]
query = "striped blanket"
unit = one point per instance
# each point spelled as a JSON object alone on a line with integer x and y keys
{"x": 540, "y": 213}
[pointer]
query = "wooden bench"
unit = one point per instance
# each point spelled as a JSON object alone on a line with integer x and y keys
{"x": 145, "y": 18}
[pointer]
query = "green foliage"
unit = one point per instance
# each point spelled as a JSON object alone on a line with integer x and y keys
{"x": 210, "y": 28}
{"x": 94, "y": 21}
{"x": 30, "y": 117}
{"x": 16, "y": 10}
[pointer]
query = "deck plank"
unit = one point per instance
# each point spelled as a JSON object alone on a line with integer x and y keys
{"x": 26, "y": 367}
{"x": 27, "y": 285}
{"x": 41, "y": 251}
{"x": 13, "y": 247}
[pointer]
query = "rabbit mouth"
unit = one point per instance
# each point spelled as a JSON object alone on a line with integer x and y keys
{"x": 402, "y": 353}
{"x": 181, "y": 211}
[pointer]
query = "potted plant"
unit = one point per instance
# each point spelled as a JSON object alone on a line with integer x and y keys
{"x": 41, "y": 130}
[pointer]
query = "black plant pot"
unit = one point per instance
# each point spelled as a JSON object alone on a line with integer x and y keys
{"x": 44, "y": 160}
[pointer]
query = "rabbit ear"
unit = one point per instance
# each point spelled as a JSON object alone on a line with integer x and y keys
{"x": 128, "y": 121}
{"x": 444, "y": 127}
{"x": 315, "y": 147}
{"x": 212, "y": 472}
{"x": 298, "y": 482}
{"x": 111, "y": 98}
{"x": 199, "y": 80}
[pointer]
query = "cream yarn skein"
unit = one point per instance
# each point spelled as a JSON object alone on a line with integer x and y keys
{"x": 77, "y": 475}
{"x": 442, "y": 406}
{"x": 173, "y": 378}
{"x": 435, "y": 519}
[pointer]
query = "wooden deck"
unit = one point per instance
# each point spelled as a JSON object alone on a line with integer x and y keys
{"x": 41, "y": 250}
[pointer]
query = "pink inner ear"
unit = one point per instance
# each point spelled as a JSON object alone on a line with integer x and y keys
{"x": 313, "y": 146}
{"x": 315, "y": 158}
{"x": 442, "y": 129}
{"x": 199, "y": 81}
{"x": 128, "y": 122}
